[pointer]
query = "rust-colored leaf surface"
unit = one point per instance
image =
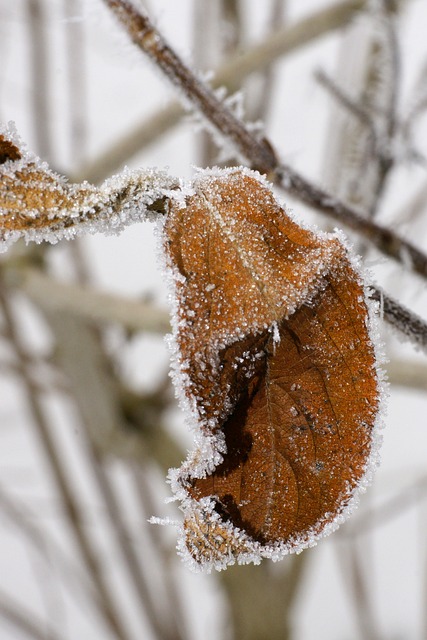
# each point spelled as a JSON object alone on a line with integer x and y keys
{"x": 277, "y": 369}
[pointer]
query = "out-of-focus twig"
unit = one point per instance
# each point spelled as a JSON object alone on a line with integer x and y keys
{"x": 39, "y": 61}
{"x": 259, "y": 110}
{"x": 353, "y": 563}
{"x": 404, "y": 373}
{"x": 86, "y": 302}
{"x": 76, "y": 68}
{"x": 370, "y": 519}
{"x": 164, "y": 558}
{"x": 251, "y": 589}
{"x": 401, "y": 318}
{"x": 48, "y": 548}
{"x": 98, "y": 399}
{"x": 20, "y": 618}
{"x": 357, "y": 110}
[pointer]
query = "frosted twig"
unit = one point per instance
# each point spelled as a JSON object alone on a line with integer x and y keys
{"x": 355, "y": 108}
{"x": 404, "y": 320}
{"x": 260, "y": 153}
{"x": 38, "y": 204}
{"x": 383, "y": 238}
{"x": 231, "y": 74}
{"x": 144, "y": 34}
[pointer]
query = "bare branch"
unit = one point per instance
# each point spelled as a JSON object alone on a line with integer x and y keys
{"x": 405, "y": 321}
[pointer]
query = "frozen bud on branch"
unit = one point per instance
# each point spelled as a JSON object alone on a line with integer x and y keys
{"x": 276, "y": 366}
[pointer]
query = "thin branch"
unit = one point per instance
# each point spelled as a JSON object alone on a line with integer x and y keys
{"x": 231, "y": 75}
{"x": 261, "y": 155}
{"x": 401, "y": 318}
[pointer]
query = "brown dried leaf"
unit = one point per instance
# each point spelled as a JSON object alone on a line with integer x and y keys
{"x": 277, "y": 365}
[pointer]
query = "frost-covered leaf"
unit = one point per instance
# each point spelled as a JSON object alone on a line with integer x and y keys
{"x": 39, "y": 204}
{"x": 276, "y": 366}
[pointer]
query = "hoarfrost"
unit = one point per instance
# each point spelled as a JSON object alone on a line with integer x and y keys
{"x": 38, "y": 204}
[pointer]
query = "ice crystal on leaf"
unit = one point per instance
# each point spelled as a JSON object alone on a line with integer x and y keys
{"x": 275, "y": 361}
